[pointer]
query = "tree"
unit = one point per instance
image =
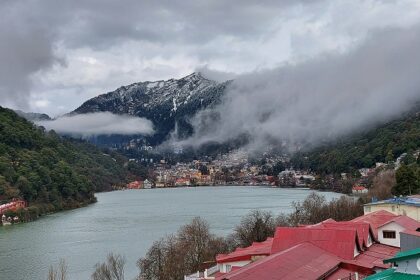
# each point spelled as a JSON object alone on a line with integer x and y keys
{"x": 111, "y": 269}
{"x": 383, "y": 183}
{"x": 177, "y": 255}
{"x": 407, "y": 180}
{"x": 257, "y": 226}
{"x": 59, "y": 273}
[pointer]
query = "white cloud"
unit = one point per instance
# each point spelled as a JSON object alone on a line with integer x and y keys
{"x": 102, "y": 123}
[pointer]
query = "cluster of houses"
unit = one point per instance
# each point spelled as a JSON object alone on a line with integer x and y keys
{"x": 381, "y": 244}
{"x": 295, "y": 178}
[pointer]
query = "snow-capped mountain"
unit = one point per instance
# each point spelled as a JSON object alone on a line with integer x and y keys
{"x": 163, "y": 102}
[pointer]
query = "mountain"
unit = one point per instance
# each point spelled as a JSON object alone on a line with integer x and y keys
{"x": 383, "y": 143}
{"x": 52, "y": 172}
{"x": 167, "y": 103}
{"x": 33, "y": 117}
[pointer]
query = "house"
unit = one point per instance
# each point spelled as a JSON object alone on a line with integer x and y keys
{"x": 388, "y": 226}
{"x": 410, "y": 239}
{"x": 328, "y": 250}
{"x": 408, "y": 206}
{"x": 181, "y": 182}
{"x": 359, "y": 189}
{"x": 406, "y": 265}
{"x": 147, "y": 184}
{"x": 135, "y": 185}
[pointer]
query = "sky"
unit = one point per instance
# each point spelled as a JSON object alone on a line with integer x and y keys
{"x": 57, "y": 54}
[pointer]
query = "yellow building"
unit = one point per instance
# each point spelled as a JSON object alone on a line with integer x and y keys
{"x": 408, "y": 206}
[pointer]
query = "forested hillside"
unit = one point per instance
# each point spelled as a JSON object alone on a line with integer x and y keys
{"x": 382, "y": 144}
{"x": 51, "y": 172}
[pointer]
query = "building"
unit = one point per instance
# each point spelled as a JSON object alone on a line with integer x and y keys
{"x": 147, "y": 184}
{"x": 406, "y": 265}
{"x": 409, "y": 240}
{"x": 359, "y": 190}
{"x": 135, "y": 185}
{"x": 328, "y": 250}
{"x": 407, "y": 206}
{"x": 387, "y": 226}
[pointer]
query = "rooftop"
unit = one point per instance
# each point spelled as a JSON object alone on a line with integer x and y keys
{"x": 409, "y": 200}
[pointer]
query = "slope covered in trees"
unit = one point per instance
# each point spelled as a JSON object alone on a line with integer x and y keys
{"x": 52, "y": 172}
{"x": 381, "y": 144}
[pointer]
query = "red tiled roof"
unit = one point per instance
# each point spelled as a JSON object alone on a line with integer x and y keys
{"x": 303, "y": 261}
{"x": 359, "y": 188}
{"x": 340, "y": 242}
{"x": 375, "y": 219}
{"x": 240, "y": 254}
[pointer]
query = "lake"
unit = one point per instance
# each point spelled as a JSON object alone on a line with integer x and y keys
{"x": 127, "y": 223}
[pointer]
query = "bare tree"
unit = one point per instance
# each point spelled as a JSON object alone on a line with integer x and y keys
{"x": 254, "y": 227}
{"x": 111, "y": 269}
{"x": 382, "y": 185}
{"x": 59, "y": 273}
{"x": 177, "y": 255}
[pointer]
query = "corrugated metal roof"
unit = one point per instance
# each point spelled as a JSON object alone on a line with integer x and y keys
{"x": 404, "y": 256}
{"x": 376, "y": 219}
{"x": 303, "y": 261}
{"x": 390, "y": 274}
{"x": 256, "y": 249}
{"x": 340, "y": 242}
{"x": 404, "y": 221}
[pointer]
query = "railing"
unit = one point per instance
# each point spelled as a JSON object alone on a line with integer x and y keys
{"x": 194, "y": 276}
{"x": 210, "y": 271}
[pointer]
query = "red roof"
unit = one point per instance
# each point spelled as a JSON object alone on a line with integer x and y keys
{"x": 405, "y": 222}
{"x": 411, "y": 232}
{"x": 363, "y": 229}
{"x": 303, "y": 261}
{"x": 359, "y": 188}
{"x": 240, "y": 254}
{"x": 376, "y": 219}
{"x": 340, "y": 242}
{"x": 374, "y": 256}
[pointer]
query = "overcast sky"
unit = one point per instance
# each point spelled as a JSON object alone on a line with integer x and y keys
{"x": 56, "y": 54}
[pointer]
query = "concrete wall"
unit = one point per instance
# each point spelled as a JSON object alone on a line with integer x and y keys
{"x": 390, "y": 227}
{"x": 398, "y": 209}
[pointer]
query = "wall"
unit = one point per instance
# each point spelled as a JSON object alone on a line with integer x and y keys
{"x": 409, "y": 242}
{"x": 232, "y": 264}
{"x": 401, "y": 209}
{"x": 392, "y": 227}
{"x": 408, "y": 267}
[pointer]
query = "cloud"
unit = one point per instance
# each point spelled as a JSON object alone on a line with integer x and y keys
{"x": 320, "y": 99}
{"x": 68, "y": 51}
{"x": 102, "y": 123}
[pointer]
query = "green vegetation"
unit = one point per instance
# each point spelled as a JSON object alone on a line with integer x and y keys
{"x": 408, "y": 180}
{"x": 382, "y": 144}
{"x": 51, "y": 172}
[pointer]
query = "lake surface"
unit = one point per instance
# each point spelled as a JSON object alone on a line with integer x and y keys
{"x": 127, "y": 222}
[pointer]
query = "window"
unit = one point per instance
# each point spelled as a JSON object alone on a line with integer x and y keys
{"x": 393, "y": 208}
{"x": 389, "y": 234}
{"x": 228, "y": 268}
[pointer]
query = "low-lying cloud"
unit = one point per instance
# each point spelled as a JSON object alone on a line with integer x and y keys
{"x": 320, "y": 99}
{"x": 101, "y": 123}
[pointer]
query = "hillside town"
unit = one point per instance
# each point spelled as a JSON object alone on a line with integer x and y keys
{"x": 236, "y": 168}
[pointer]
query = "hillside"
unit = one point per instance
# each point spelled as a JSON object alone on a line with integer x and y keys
{"x": 381, "y": 144}
{"x": 165, "y": 103}
{"x": 52, "y": 172}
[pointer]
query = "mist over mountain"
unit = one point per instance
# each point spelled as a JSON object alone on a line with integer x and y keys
{"x": 167, "y": 104}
